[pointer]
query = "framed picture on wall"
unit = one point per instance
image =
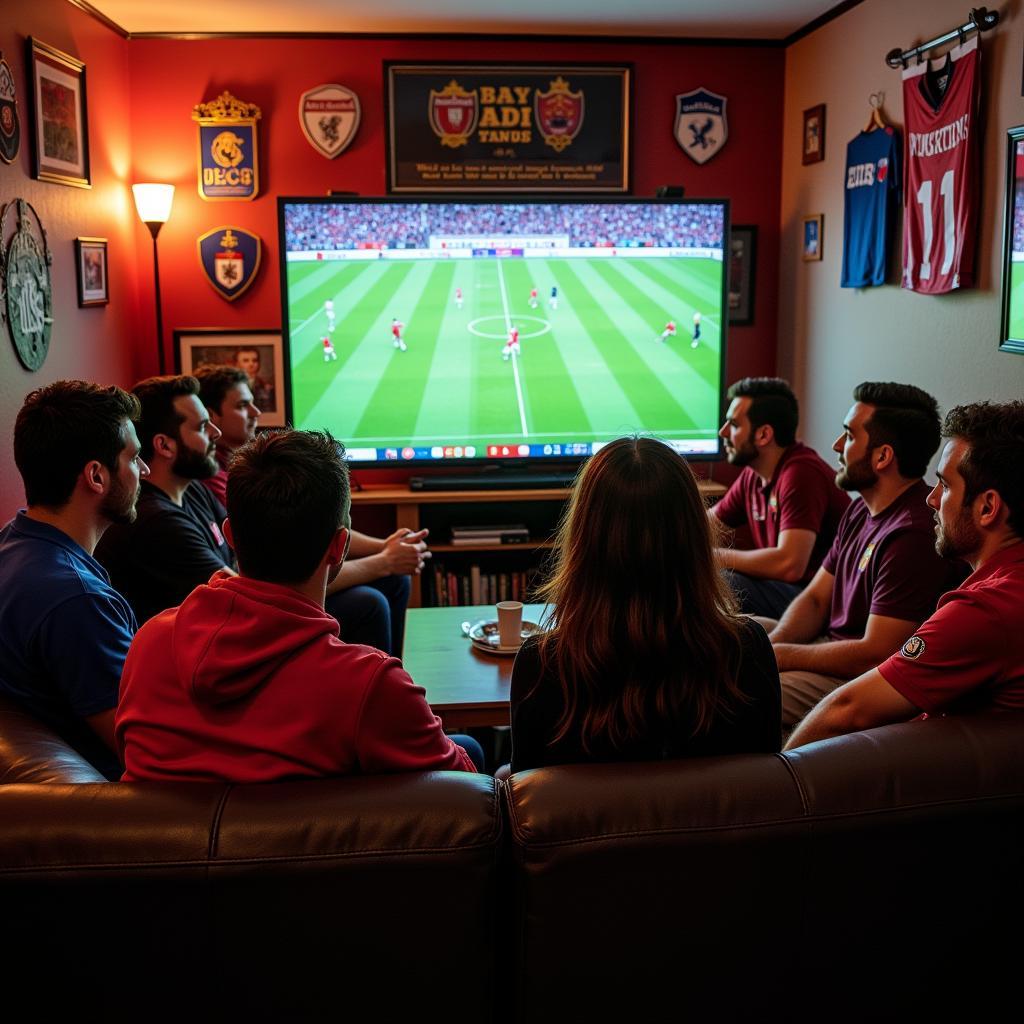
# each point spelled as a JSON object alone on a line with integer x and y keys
{"x": 813, "y": 227}
{"x": 742, "y": 264}
{"x": 91, "y": 271}
{"x": 60, "y": 125}
{"x": 258, "y": 352}
{"x": 1011, "y": 333}
{"x": 814, "y": 134}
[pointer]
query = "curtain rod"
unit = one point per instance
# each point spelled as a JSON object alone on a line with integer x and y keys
{"x": 981, "y": 19}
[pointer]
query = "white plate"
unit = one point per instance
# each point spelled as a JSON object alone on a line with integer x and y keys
{"x": 485, "y": 636}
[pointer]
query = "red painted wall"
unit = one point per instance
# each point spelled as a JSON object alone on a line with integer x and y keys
{"x": 141, "y": 93}
{"x": 168, "y": 77}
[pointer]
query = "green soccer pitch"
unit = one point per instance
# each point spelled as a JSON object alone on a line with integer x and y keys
{"x": 1016, "y": 318}
{"x": 590, "y": 370}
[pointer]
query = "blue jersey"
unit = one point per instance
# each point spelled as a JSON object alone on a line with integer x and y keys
{"x": 872, "y": 194}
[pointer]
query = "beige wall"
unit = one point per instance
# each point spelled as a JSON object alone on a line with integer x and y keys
{"x": 830, "y": 338}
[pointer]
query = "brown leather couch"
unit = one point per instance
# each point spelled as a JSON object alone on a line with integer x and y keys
{"x": 878, "y": 876}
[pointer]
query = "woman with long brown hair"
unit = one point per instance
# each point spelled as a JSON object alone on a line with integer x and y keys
{"x": 644, "y": 656}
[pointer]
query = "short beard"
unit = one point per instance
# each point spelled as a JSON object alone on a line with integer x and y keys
{"x": 857, "y": 476}
{"x": 118, "y": 509}
{"x": 742, "y": 456}
{"x": 961, "y": 540}
{"x": 191, "y": 465}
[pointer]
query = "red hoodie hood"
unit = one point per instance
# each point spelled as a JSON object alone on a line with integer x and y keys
{"x": 232, "y": 634}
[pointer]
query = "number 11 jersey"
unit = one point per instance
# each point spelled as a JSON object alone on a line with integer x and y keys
{"x": 941, "y": 100}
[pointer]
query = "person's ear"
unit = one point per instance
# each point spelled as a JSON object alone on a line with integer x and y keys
{"x": 764, "y": 435}
{"x": 96, "y": 476}
{"x": 882, "y": 457}
{"x": 338, "y": 547}
{"x": 988, "y": 508}
{"x": 165, "y": 446}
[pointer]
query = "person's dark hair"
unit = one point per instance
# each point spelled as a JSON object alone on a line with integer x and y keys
{"x": 995, "y": 454}
{"x": 644, "y": 636}
{"x": 904, "y": 417}
{"x": 63, "y": 426}
{"x": 215, "y": 381}
{"x": 771, "y": 401}
{"x": 156, "y": 395}
{"x": 288, "y": 494}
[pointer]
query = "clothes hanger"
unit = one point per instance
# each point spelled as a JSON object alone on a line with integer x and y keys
{"x": 876, "y": 99}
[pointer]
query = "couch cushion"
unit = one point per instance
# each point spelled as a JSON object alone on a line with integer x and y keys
{"x": 31, "y": 752}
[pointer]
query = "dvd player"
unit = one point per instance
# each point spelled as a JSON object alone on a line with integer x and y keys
{"x": 493, "y": 482}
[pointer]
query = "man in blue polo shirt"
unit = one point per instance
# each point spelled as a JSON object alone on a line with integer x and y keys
{"x": 64, "y": 631}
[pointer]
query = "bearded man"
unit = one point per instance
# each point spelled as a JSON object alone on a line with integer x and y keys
{"x": 64, "y": 630}
{"x": 176, "y": 542}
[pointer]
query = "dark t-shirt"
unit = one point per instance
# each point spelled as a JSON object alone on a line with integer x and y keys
{"x": 801, "y": 495}
{"x": 754, "y": 725}
{"x": 886, "y": 564}
{"x": 168, "y": 551}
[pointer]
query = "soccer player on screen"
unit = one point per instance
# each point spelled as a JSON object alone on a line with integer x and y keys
{"x": 329, "y": 352}
{"x": 696, "y": 330}
{"x": 533, "y": 298}
{"x": 396, "y": 333}
{"x": 512, "y": 345}
{"x": 669, "y": 331}
{"x": 329, "y": 310}
{"x": 553, "y": 301}
{"x": 458, "y": 298}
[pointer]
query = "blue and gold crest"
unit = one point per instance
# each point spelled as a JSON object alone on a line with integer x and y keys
{"x": 230, "y": 258}
{"x": 228, "y": 156}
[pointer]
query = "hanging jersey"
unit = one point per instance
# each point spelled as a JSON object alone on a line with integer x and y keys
{"x": 941, "y": 100}
{"x": 869, "y": 207}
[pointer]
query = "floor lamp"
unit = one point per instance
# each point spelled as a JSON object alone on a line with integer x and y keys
{"x": 154, "y": 205}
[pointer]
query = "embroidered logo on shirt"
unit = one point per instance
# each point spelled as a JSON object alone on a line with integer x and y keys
{"x": 866, "y": 557}
{"x": 217, "y": 535}
{"x": 755, "y": 513}
{"x": 913, "y": 648}
{"x": 773, "y": 504}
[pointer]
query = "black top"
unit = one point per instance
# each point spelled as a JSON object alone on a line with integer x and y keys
{"x": 754, "y": 726}
{"x": 168, "y": 551}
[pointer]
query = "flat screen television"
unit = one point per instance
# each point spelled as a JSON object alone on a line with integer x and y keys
{"x": 503, "y": 330}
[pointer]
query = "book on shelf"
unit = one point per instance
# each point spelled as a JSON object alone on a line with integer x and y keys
{"x": 447, "y": 588}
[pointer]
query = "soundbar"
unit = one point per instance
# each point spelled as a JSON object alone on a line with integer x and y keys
{"x": 492, "y": 482}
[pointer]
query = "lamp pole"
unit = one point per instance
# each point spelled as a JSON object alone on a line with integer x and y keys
{"x": 153, "y": 203}
{"x": 154, "y": 229}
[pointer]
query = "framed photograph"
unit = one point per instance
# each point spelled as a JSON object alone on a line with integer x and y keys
{"x": 507, "y": 127}
{"x": 814, "y": 134}
{"x": 259, "y": 353}
{"x": 91, "y": 271}
{"x": 742, "y": 265}
{"x": 1011, "y": 332}
{"x": 812, "y": 236}
{"x": 60, "y": 125}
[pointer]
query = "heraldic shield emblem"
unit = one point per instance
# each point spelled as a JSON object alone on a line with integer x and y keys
{"x": 10, "y": 127}
{"x": 701, "y": 125}
{"x": 329, "y": 116}
{"x": 230, "y": 258}
{"x": 559, "y": 113}
{"x": 453, "y": 114}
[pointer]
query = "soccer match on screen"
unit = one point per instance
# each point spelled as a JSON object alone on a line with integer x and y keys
{"x": 424, "y": 330}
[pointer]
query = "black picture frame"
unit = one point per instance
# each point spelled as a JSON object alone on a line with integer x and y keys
{"x": 1011, "y": 320}
{"x": 742, "y": 274}
{"x": 194, "y": 346}
{"x": 91, "y": 272}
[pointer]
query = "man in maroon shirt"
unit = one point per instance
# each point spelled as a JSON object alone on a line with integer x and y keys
{"x": 786, "y": 495}
{"x": 970, "y": 653}
{"x": 882, "y": 576}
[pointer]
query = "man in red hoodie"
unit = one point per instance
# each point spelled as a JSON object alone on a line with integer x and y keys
{"x": 247, "y": 681}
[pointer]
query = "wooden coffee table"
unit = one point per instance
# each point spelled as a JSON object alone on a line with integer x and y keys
{"x": 464, "y": 688}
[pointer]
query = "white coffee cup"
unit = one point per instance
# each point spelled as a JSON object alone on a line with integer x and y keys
{"x": 510, "y": 623}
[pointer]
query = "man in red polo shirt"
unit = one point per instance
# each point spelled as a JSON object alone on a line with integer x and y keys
{"x": 786, "y": 495}
{"x": 970, "y": 654}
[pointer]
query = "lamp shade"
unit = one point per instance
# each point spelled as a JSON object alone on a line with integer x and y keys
{"x": 153, "y": 202}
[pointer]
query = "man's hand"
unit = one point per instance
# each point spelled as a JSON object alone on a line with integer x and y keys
{"x": 405, "y": 552}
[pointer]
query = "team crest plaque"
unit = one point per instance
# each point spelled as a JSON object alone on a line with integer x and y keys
{"x": 453, "y": 114}
{"x": 559, "y": 113}
{"x": 329, "y": 118}
{"x": 25, "y": 275}
{"x": 228, "y": 154}
{"x": 701, "y": 126}
{"x": 10, "y": 126}
{"x": 230, "y": 258}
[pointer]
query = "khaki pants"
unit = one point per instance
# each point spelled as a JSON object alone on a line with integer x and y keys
{"x": 801, "y": 691}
